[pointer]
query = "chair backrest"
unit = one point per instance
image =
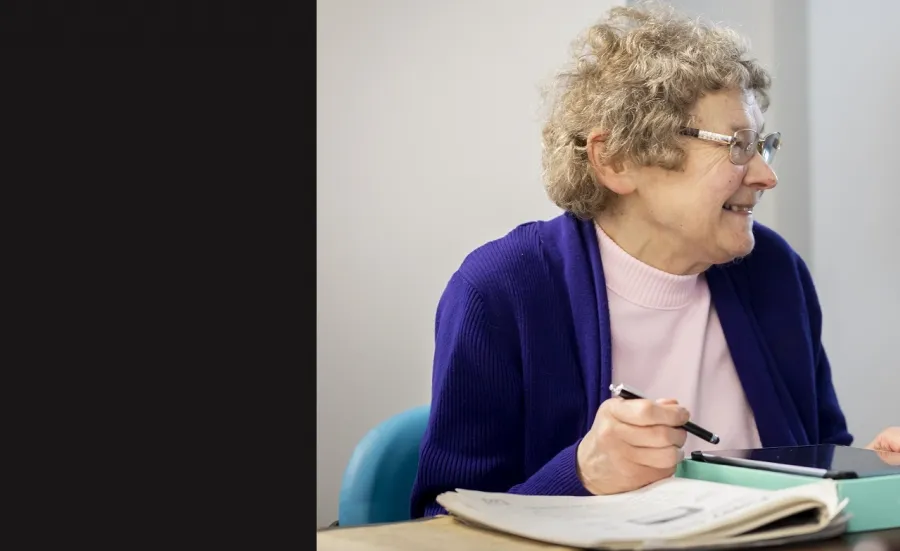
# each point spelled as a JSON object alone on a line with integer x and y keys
{"x": 379, "y": 477}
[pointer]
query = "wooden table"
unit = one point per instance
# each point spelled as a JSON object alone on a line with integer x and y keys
{"x": 444, "y": 534}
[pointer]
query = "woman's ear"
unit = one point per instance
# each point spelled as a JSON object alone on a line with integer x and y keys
{"x": 611, "y": 174}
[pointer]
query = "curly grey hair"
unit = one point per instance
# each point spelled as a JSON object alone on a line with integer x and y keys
{"x": 636, "y": 75}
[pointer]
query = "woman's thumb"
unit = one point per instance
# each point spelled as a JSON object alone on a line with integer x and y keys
{"x": 667, "y": 401}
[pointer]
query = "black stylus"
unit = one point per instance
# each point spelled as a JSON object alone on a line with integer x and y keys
{"x": 628, "y": 393}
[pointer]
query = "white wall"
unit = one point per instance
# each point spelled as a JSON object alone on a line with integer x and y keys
{"x": 428, "y": 145}
{"x": 854, "y": 74}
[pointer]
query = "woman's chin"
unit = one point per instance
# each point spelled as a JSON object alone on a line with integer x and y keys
{"x": 732, "y": 243}
{"x": 739, "y": 246}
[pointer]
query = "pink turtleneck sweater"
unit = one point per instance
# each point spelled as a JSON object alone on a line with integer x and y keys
{"x": 668, "y": 343}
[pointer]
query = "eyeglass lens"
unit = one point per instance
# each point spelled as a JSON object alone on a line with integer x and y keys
{"x": 747, "y": 142}
{"x": 769, "y": 147}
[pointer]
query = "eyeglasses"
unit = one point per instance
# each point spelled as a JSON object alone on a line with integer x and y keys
{"x": 744, "y": 143}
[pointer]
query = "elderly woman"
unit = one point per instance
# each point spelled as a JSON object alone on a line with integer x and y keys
{"x": 655, "y": 276}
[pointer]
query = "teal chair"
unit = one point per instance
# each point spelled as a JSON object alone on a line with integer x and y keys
{"x": 379, "y": 477}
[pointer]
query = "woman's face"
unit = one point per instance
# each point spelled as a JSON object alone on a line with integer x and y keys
{"x": 702, "y": 213}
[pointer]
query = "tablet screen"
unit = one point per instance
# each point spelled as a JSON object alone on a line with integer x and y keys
{"x": 829, "y": 457}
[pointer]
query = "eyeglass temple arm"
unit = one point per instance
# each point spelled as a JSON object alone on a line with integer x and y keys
{"x": 705, "y": 135}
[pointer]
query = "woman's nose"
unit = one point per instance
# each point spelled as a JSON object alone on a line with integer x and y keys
{"x": 760, "y": 174}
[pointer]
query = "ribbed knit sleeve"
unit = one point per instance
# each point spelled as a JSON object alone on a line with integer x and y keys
{"x": 475, "y": 436}
{"x": 832, "y": 427}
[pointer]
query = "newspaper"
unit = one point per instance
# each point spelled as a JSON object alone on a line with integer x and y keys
{"x": 670, "y": 513}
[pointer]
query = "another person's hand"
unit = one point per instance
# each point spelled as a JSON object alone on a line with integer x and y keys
{"x": 890, "y": 458}
{"x": 631, "y": 443}
{"x": 888, "y": 440}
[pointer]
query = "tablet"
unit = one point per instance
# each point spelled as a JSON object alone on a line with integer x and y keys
{"x": 823, "y": 460}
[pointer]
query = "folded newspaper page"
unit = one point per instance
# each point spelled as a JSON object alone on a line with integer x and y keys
{"x": 671, "y": 513}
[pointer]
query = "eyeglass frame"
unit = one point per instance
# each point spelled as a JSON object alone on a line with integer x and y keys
{"x": 731, "y": 141}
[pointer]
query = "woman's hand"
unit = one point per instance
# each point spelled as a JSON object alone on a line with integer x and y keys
{"x": 888, "y": 440}
{"x": 631, "y": 444}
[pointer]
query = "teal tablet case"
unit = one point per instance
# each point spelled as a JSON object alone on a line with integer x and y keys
{"x": 874, "y": 503}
